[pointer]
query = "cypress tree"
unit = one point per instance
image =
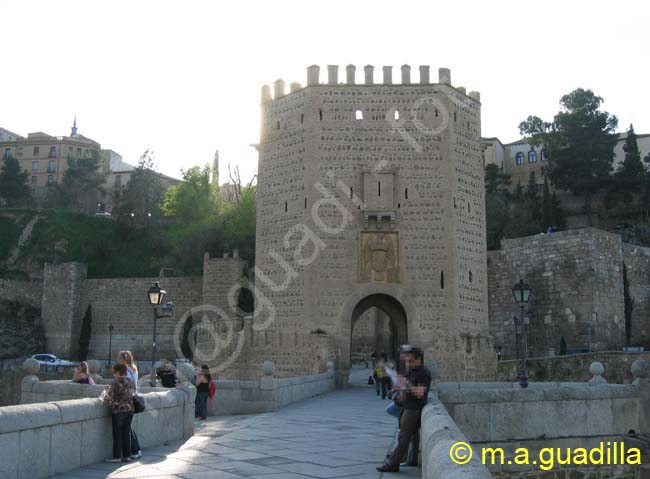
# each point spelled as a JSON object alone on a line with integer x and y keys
{"x": 84, "y": 334}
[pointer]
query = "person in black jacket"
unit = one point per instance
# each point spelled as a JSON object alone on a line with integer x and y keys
{"x": 167, "y": 374}
{"x": 414, "y": 392}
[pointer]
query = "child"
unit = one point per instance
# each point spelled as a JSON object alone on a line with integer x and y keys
{"x": 119, "y": 395}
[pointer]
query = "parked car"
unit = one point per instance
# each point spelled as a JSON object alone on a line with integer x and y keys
{"x": 51, "y": 361}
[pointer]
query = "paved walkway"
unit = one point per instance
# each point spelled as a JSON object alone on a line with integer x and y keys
{"x": 343, "y": 434}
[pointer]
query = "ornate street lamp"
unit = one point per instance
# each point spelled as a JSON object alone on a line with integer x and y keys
{"x": 156, "y": 296}
{"x": 521, "y": 293}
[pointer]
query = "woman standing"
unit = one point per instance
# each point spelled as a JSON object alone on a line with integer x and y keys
{"x": 126, "y": 358}
{"x": 203, "y": 380}
{"x": 82, "y": 374}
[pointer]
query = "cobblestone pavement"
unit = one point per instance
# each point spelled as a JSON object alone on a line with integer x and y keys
{"x": 342, "y": 434}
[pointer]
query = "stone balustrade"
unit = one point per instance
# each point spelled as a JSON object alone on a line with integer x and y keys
{"x": 439, "y": 433}
{"x": 232, "y": 396}
{"x": 47, "y": 438}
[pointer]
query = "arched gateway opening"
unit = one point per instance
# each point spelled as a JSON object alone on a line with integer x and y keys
{"x": 378, "y": 324}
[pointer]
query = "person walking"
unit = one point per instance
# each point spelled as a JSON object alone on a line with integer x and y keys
{"x": 126, "y": 358}
{"x": 415, "y": 391}
{"x": 203, "y": 380}
{"x": 119, "y": 395}
{"x": 379, "y": 375}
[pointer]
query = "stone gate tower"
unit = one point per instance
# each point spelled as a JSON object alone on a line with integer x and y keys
{"x": 371, "y": 194}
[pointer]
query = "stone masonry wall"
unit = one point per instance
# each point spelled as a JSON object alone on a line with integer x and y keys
{"x": 637, "y": 261}
{"x": 123, "y": 303}
{"x": 573, "y": 368}
{"x": 27, "y": 292}
{"x": 576, "y": 278}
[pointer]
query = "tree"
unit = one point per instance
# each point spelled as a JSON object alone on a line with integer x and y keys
{"x": 495, "y": 180}
{"x": 14, "y": 188}
{"x": 84, "y": 334}
{"x": 82, "y": 187}
{"x": 579, "y": 142}
{"x": 628, "y": 302}
{"x": 140, "y": 201}
{"x": 632, "y": 166}
{"x": 195, "y": 198}
{"x": 548, "y": 209}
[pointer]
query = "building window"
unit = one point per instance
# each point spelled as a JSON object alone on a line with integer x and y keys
{"x": 70, "y": 151}
{"x": 52, "y": 153}
{"x": 359, "y": 115}
{"x": 470, "y": 277}
{"x": 19, "y": 151}
{"x": 544, "y": 157}
{"x": 87, "y": 153}
{"x": 7, "y": 153}
{"x": 442, "y": 279}
{"x": 37, "y": 150}
{"x": 519, "y": 159}
{"x": 532, "y": 156}
{"x": 118, "y": 180}
{"x": 51, "y": 167}
{"x": 34, "y": 180}
{"x": 50, "y": 179}
{"x": 35, "y": 165}
{"x": 78, "y": 152}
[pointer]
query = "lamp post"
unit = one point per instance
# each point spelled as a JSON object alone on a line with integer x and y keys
{"x": 110, "y": 343}
{"x": 521, "y": 293}
{"x": 156, "y": 296}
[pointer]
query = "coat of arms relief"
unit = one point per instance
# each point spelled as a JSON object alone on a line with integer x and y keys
{"x": 378, "y": 257}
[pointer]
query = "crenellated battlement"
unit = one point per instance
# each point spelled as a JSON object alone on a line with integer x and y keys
{"x": 313, "y": 79}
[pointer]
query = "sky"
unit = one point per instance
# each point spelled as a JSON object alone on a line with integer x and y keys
{"x": 184, "y": 78}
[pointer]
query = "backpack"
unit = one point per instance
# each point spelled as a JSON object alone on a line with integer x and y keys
{"x": 213, "y": 389}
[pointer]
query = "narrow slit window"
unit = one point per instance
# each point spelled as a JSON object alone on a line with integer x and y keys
{"x": 437, "y": 113}
{"x": 285, "y": 207}
{"x": 302, "y": 118}
{"x": 320, "y": 114}
{"x": 351, "y": 192}
{"x": 442, "y": 279}
{"x": 469, "y": 207}
{"x": 277, "y": 125}
{"x": 470, "y": 277}
{"x": 379, "y": 188}
{"x": 406, "y": 193}
{"x": 396, "y": 115}
{"x": 454, "y": 116}
{"x": 359, "y": 115}
{"x": 305, "y": 202}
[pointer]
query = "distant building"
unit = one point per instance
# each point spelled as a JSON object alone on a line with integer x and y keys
{"x": 45, "y": 158}
{"x": 518, "y": 159}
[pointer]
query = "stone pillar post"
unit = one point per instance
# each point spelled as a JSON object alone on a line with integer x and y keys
{"x": 388, "y": 75}
{"x": 313, "y": 74}
{"x": 332, "y": 74}
{"x": 406, "y": 74}
{"x": 424, "y": 75}
{"x": 369, "y": 72}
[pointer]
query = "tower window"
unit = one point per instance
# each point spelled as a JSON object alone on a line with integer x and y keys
{"x": 302, "y": 118}
{"x": 454, "y": 116}
{"x": 469, "y": 207}
{"x": 442, "y": 279}
{"x": 406, "y": 193}
{"x": 470, "y": 277}
{"x": 436, "y": 112}
{"x": 305, "y": 202}
{"x": 359, "y": 115}
{"x": 351, "y": 192}
{"x": 277, "y": 125}
{"x": 285, "y": 206}
{"x": 379, "y": 188}
{"x": 320, "y": 114}
{"x": 396, "y": 115}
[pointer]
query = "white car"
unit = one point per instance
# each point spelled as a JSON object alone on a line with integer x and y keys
{"x": 50, "y": 360}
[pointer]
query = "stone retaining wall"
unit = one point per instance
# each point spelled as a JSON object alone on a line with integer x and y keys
{"x": 26, "y": 292}
{"x": 40, "y": 440}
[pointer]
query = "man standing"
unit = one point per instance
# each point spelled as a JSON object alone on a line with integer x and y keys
{"x": 414, "y": 391}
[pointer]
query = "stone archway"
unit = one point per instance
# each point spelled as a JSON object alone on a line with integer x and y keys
{"x": 393, "y": 310}
{"x": 392, "y": 300}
